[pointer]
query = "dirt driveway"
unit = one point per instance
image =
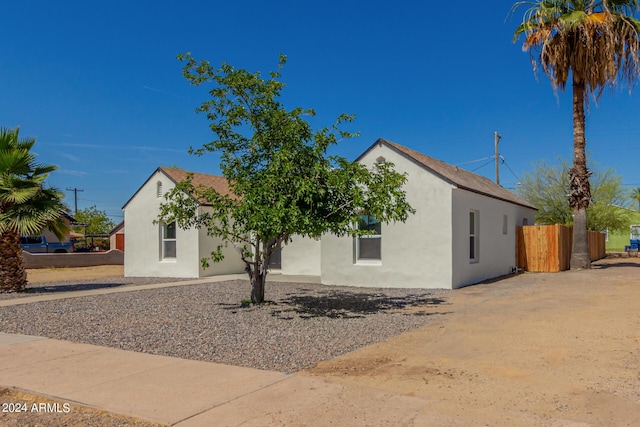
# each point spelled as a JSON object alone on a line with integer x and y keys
{"x": 52, "y": 275}
{"x": 555, "y": 350}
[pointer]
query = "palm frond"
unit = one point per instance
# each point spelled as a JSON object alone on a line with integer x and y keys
{"x": 595, "y": 41}
{"x": 26, "y": 205}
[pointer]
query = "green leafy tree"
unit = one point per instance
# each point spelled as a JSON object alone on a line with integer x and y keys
{"x": 97, "y": 221}
{"x": 547, "y": 187}
{"x": 283, "y": 183}
{"x": 27, "y": 206}
{"x": 597, "y": 44}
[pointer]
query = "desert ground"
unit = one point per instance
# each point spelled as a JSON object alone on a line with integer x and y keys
{"x": 552, "y": 349}
{"x": 53, "y": 275}
{"x": 555, "y": 349}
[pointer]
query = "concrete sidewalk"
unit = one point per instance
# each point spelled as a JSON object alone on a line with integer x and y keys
{"x": 158, "y": 388}
{"x": 184, "y": 393}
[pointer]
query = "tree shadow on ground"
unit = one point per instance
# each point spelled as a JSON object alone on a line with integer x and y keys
{"x": 350, "y": 305}
{"x": 49, "y": 289}
{"x": 613, "y": 265}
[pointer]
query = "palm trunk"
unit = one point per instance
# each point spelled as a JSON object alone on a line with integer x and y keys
{"x": 579, "y": 190}
{"x": 13, "y": 276}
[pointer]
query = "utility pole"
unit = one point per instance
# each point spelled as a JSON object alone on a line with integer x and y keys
{"x": 497, "y": 138}
{"x": 75, "y": 197}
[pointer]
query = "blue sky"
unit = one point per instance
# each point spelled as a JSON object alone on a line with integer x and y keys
{"x": 99, "y": 85}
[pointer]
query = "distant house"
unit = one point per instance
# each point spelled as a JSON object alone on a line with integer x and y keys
{"x": 463, "y": 232}
{"x": 165, "y": 250}
{"x": 116, "y": 237}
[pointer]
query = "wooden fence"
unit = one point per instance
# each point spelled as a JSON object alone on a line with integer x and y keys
{"x": 547, "y": 248}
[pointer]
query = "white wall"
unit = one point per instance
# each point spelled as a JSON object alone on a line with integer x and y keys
{"x": 143, "y": 237}
{"x": 301, "y": 256}
{"x": 415, "y": 254}
{"x": 497, "y": 251}
{"x": 231, "y": 264}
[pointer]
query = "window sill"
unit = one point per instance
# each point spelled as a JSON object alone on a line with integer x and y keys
{"x": 368, "y": 262}
{"x": 169, "y": 260}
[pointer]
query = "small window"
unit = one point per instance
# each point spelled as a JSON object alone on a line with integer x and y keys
{"x": 369, "y": 248}
{"x": 381, "y": 160}
{"x": 159, "y": 189}
{"x": 505, "y": 224}
{"x": 169, "y": 241}
{"x": 473, "y": 236}
{"x": 525, "y": 221}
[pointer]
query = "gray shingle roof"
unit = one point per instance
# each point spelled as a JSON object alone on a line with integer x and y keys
{"x": 454, "y": 175}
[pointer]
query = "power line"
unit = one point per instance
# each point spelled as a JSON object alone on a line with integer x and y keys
{"x": 504, "y": 162}
{"x": 474, "y": 161}
{"x": 480, "y": 167}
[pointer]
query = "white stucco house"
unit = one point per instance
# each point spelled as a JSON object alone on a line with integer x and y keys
{"x": 164, "y": 250}
{"x": 463, "y": 232}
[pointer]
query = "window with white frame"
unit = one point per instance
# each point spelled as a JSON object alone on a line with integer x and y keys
{"x": 369, "y": 247}
{"x": 159, "y": 189}
{"x": 473, "y": 236}
{"x": 168, "y": 249}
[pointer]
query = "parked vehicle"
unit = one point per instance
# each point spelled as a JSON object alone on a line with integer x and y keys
{"x": 39, "y": 244}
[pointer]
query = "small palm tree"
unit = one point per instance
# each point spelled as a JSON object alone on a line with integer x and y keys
{"x": 26, "y": 205}
{"x": 596, "y": 43}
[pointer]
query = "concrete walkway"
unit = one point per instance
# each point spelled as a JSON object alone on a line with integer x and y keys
{"x": 272, "y": 277}
{"x": 184, "y": 393}
{"x": 181, "y": 392}
{"x": 158, "y": 388}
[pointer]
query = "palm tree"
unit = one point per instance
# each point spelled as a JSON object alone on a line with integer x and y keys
{"x": 596, "y": 42}
{"x": 26, "y": 205}
{"x": 635, "y": 195}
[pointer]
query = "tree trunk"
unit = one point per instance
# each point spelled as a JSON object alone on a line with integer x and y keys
{"x": 13, "y": 276}
{"x": 579, "y": 188}
{"x": 257, "y": 274}
{"x": 257, "y": 288}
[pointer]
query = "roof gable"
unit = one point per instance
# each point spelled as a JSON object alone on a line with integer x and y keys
{"x": 218, "y": 183}
{"x": 460, "y": 178}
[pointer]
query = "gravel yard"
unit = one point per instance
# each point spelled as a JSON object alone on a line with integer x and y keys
{"x": 304, "y": 323}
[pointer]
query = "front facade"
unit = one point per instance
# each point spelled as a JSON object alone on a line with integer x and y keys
{"x": 165, "y": 250}
{"x": 463, "y": 230}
